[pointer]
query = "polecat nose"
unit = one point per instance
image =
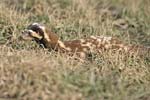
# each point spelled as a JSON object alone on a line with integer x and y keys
{"x": 25, "y": 35}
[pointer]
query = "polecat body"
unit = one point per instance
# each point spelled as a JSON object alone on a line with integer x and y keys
{"x": 43, "y": 35}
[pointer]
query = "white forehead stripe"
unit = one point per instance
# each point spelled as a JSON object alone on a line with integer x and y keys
{"x": 36, "y": 24}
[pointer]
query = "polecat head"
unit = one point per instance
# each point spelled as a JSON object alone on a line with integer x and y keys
{"x": 34, "y": 31}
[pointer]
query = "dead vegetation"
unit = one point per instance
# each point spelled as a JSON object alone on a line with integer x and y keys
{"x": 29, "y": 72}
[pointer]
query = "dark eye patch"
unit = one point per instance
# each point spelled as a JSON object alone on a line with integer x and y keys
{"x": 36, "y": 29}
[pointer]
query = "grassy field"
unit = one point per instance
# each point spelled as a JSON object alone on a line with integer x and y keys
{"x": 29, "y": 72}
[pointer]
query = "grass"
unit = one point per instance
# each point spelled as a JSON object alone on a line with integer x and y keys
{"x": 28, "y": 72}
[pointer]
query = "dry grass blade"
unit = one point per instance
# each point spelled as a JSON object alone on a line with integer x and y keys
{"x": 29, "y": 72}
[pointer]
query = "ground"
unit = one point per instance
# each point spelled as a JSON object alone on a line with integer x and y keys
{"x": 30, "y": 72}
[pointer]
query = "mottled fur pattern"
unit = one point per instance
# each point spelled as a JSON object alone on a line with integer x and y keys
{"x": 92, "y": 44}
